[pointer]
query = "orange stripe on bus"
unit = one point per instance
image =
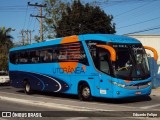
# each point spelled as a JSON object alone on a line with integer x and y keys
{"x": 70, "y": 39}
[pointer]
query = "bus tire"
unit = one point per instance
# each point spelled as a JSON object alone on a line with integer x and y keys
{"x": 27, "y": 88}
{"x": 84, "y": 92}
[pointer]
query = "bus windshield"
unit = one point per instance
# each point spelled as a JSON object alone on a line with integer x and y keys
{"x": 131, "y": 62}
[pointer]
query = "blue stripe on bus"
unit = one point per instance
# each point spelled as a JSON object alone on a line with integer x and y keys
{"x": 30, "y": 74}
{"x": 48, "y": 83}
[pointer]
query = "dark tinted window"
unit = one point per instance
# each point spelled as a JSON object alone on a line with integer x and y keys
{"x": 46, "y": 55}
{"x": 71, "y": 52}
{"x": 103, "y": 61}
{"x": 14, "y": 57}
{"x": 23, "y": 57}
{"x": 100, "y": 57}
{"x": 34, "y": 56}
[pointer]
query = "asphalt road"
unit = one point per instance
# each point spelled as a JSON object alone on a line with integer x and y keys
{"x": 21, "y": 108}
{"x": 60, "y": 105}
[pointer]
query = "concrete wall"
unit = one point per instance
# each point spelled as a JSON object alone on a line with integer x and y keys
{"x": 149, "y": 40}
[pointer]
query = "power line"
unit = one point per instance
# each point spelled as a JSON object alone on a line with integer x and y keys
{"x": 145, "y": 30}
{"x": 129, "y": 1}
{"x": 136, "y": 12}
{"x": 31, "y": 21}
{"x": 139, "y": 23}
{"x": 131, "y": 10}
{"x": 34, "y": 24}
{"x": 12, "y": 6}
{"x": 13, "y": 11}
{"x": 25, "y": 17}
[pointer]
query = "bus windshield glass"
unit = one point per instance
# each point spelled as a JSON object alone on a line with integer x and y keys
{"x": 131, "y": 62}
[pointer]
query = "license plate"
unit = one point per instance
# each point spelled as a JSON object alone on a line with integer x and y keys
{"x": 137, "y": 93}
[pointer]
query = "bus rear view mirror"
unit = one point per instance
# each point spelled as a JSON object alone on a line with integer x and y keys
{"x": 111, "y": 51}
{"x": 153, "y": 50}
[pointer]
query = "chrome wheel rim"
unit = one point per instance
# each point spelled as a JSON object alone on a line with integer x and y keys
{"x": 86, "y": 92}
{"x": 27, "y": 87}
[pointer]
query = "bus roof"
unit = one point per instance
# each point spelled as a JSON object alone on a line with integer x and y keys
{"x": 103, "y": 37}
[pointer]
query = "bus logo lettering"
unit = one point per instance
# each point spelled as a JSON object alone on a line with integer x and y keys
{"x": 77, "y": 70}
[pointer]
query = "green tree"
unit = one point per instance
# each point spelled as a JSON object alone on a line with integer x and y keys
{"x": 82, "y": 19}
{"x": 53, "y": 13}
{"x": 36, "y": 38}
{"x": 5, "y": 45}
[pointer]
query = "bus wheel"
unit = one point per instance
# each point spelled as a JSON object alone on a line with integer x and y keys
{"x": 27, "y": 88}
{"x": 84, "y": 92}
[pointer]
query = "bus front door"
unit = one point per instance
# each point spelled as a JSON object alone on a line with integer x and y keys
{"x": 104, "y": 66}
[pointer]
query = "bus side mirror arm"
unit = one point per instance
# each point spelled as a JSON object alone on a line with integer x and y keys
{"x": 154, "y": 52}
{"x": 111, "y": 51}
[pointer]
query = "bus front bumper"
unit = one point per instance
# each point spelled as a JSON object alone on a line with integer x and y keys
{"x": 124, "y": 93}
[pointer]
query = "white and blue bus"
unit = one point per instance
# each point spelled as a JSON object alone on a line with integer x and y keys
{"x": 98, "y": 65}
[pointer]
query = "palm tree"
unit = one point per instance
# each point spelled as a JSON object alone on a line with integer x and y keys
{"x": 5, "y": 45}
{"x": 5, "y": 39}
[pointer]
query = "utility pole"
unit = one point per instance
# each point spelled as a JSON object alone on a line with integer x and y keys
{"x": 22, "y": 32}
{"x": 39, "y": 16}
{"x": 26, "y": 31}
{"x": 28, "y": 35}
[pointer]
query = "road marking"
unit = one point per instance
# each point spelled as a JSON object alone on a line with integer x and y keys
{"x": 77, "y": 118}
{"x": 71, "y": 101}
{"x": 150, "y": 106}
{"x": 3, "y": 119}
{"x": 51, "y": 105}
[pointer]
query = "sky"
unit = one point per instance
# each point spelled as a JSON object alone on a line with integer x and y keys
{"x": 130, "y": 16}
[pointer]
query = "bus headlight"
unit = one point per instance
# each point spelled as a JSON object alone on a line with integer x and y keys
{"x": 149, "y": 83}
{"x": 118, "y": 84}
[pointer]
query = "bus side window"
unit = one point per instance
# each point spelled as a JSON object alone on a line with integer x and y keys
{"x": 62, "y": 55}
{"x": 34, "y": 56}
{"x": 103, "y": 63}
{"x": 14, "y": 57}
{"x": 55, "y": 55}
{"x": 46, "y": 55}
{"x": 23, "y": 57}
{"x": 62, "y": 52}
